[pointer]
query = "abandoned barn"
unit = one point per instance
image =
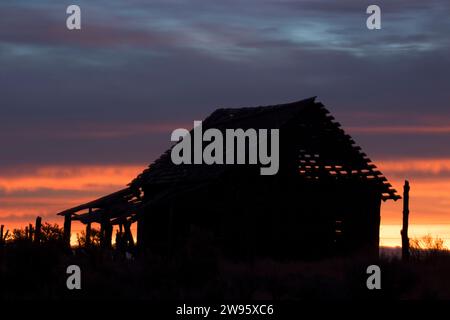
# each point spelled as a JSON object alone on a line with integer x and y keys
{"x": 325, "y": 199}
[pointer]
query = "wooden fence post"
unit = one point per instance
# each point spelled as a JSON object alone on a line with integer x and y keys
{"x": 102, "y": 233}
{"x": 404, "y": 232}
{"x": 3, "y": 235}
{"x": 67, "y": 232}
{"x": 30, "y": 235}
{"x": 37, "y": 231}
{"x": 88, "y": 235}
{"x": 106, "y": 233}
{"x": 140, "y": 232}
{"x": 128, "y": 235}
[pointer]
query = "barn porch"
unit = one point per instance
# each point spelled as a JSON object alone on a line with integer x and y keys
{"x": 116, "y": 209}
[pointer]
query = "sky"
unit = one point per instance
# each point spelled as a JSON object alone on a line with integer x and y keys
{"x": 83, "y": 112}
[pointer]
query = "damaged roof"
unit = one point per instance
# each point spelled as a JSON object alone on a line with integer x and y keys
{"x": 325, "y": 151}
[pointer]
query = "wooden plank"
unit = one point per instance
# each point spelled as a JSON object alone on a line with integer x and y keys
{"x": 98, "y": 202}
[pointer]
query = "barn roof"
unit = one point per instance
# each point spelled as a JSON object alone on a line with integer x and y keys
{"x": 118, "y": 205}
{"x": 325, "y": 151}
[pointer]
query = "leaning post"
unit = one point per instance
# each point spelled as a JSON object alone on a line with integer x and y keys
{"x": 404, "y": 232}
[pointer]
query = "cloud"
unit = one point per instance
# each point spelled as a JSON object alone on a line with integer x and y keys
{"x": 108, "y": 95}
{"x": 84, "y": 130}
{"x": 46, "y": 27}
{"x": 389, "y": 130}
{"x": 417, "y": 167}
{"x": 28, "y": 191}
{"x": 19, "y": 218}
{"x": 73, "y": 177}
{"x": 230, "y": 30}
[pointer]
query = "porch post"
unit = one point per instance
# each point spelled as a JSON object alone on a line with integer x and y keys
{"x": 67, "y": 226}
{"x": 404, "y": 232}
{"x": 88, "y": 235}
{"x": 37, "y": 232}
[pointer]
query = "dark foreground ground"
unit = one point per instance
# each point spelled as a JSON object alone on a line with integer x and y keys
{"x": 29, "y": 272}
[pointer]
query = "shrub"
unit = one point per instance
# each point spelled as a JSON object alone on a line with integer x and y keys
{"x": 427, "y": 247}
{"x": 95, "y": 238}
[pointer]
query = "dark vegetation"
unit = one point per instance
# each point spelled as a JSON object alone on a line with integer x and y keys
{"x": 38, "y": 271}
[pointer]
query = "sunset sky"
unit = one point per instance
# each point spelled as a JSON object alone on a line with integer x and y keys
{"x": 83, "y": 112}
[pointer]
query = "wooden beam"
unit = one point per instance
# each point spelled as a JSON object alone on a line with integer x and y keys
{"x": 128, "y": 235}
{"x": 37, "y": 232}
{"x": 102, "y": 234}
{"x": 404, "y": 232}
{"x": 106, "y": 233}
{"x": 30, "y": 234}
{"x": 88, "y": 235}
{"x": 67, "y": 227}
{"x": 140, "y": 232}
{"x": 101, "y": 202}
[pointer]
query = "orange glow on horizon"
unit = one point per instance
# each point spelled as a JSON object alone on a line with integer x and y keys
{"x": 432, "y": 166}
{"x": 420, "y": 129}
{"x": 46, "y": 190}
{"x": 70, "y": 177}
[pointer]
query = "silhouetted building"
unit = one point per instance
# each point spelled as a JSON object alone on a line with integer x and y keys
{"x": 324, "y": 200}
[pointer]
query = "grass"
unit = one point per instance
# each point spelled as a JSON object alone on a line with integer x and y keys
{"x": 31, "y": 272}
